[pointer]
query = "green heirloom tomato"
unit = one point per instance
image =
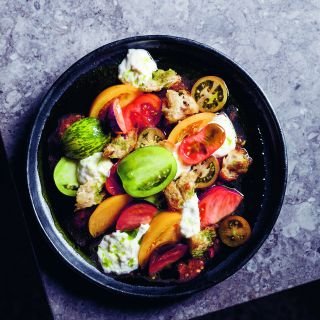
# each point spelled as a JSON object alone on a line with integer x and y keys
{"x": 65, "y": 176}
{"x": 147, "y": 171}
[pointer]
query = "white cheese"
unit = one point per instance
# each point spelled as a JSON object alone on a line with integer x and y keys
{"x": 94, "y": 169}
{"x": 137, "y": 68}
{"x": 190, "y": 221}
{"x": 118, "y": 251}
{"x": 231, "y": 137}
{"x": 181, "y": 167}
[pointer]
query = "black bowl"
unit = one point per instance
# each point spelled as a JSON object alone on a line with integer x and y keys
{"x": 263, "y": 186}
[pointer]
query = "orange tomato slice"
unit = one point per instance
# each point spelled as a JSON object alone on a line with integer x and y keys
{"x": 107, "y": 213}
{"x": 190, "y": 126}
{"x": 126, "y": 93}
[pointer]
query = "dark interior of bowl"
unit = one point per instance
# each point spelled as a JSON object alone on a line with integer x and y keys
{"x": 263, "y": 186}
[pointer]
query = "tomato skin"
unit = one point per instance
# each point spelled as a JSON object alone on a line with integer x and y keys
{"x": 135, "y": 215}
{"x": 113, "y": 183}
{"x": 160, "y": 259}
{"x": 143, "y": 112}
{"x": 198, "y": 147}
{"x": 217, "y": 203}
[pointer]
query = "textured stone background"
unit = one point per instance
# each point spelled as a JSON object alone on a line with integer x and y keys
{"x": 277, "y": 42}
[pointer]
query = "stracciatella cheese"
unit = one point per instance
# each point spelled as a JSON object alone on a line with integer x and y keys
{"x": 190, "y": 221}
{"x": 118, "y": 251}
{"x": 137, "y": 68}
{"x": 94, "y": 169}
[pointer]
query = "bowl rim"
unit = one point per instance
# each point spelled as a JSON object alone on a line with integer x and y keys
{"x": 40, "y": 206}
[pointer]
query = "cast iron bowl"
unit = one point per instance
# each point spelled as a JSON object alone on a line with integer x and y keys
{"x": 263, "y": 186}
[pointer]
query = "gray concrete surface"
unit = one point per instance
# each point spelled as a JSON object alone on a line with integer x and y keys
{"x": 277, "y": 42}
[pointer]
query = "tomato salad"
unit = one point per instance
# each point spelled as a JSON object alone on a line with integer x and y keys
{"x": 150, "y": 168}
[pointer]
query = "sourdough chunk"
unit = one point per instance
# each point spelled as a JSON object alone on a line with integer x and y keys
{"x": 161, "y": 79}
{"x": 88, "y": 195}
{"x": 235, "y": 163}
{"x": 173, "y": 196}
{"x": 202, "y": 241}
{"x": 180, "y": 190}
{"x": 121, "y": 145}
{"x": 187, "y": 184}
{"x": 180, "y": 105}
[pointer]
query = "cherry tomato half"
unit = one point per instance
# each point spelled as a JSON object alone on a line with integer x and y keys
{"x": 198, "y": 147}
{"x": 135, "y": 215}
{"x": 149, "y": 137}
{"x": 207, "y": 171}
{"x": 234, "y": 231}
{"x": 143, "y": 112}
{"x": 190, "y": 269}
{"x": 210, "y": 93}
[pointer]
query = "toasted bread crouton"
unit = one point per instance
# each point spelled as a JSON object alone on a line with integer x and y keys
{"x": 180, "y": 105}
{"x": 160, "y": 79}
{"x": 88, "y": 195}
{"x": 177, "y": 192}
{"x": 173, "y": 196}
{"x": 187, "y": 183}
{"x": 200, "y": 242}
{"x": 121, "y": 145}
{"x": 235, "y": 163}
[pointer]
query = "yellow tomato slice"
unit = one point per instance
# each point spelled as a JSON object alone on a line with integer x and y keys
{"x": 190, "y": 126}
{"x": 124, "y": 92}
{"x": 210, "y": 93}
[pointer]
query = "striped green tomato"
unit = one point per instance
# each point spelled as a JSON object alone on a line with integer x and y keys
{"x": 84, "y": 138}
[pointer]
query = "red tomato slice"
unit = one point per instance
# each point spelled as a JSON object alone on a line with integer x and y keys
{"x": 217, "y": 203}
{"x": 160, "y": 259}
{"x": 200, "y": 146}
{"x": 143, "y": 112}
{"x": 135, "y": 215}
{"x": 113, "y": 183}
